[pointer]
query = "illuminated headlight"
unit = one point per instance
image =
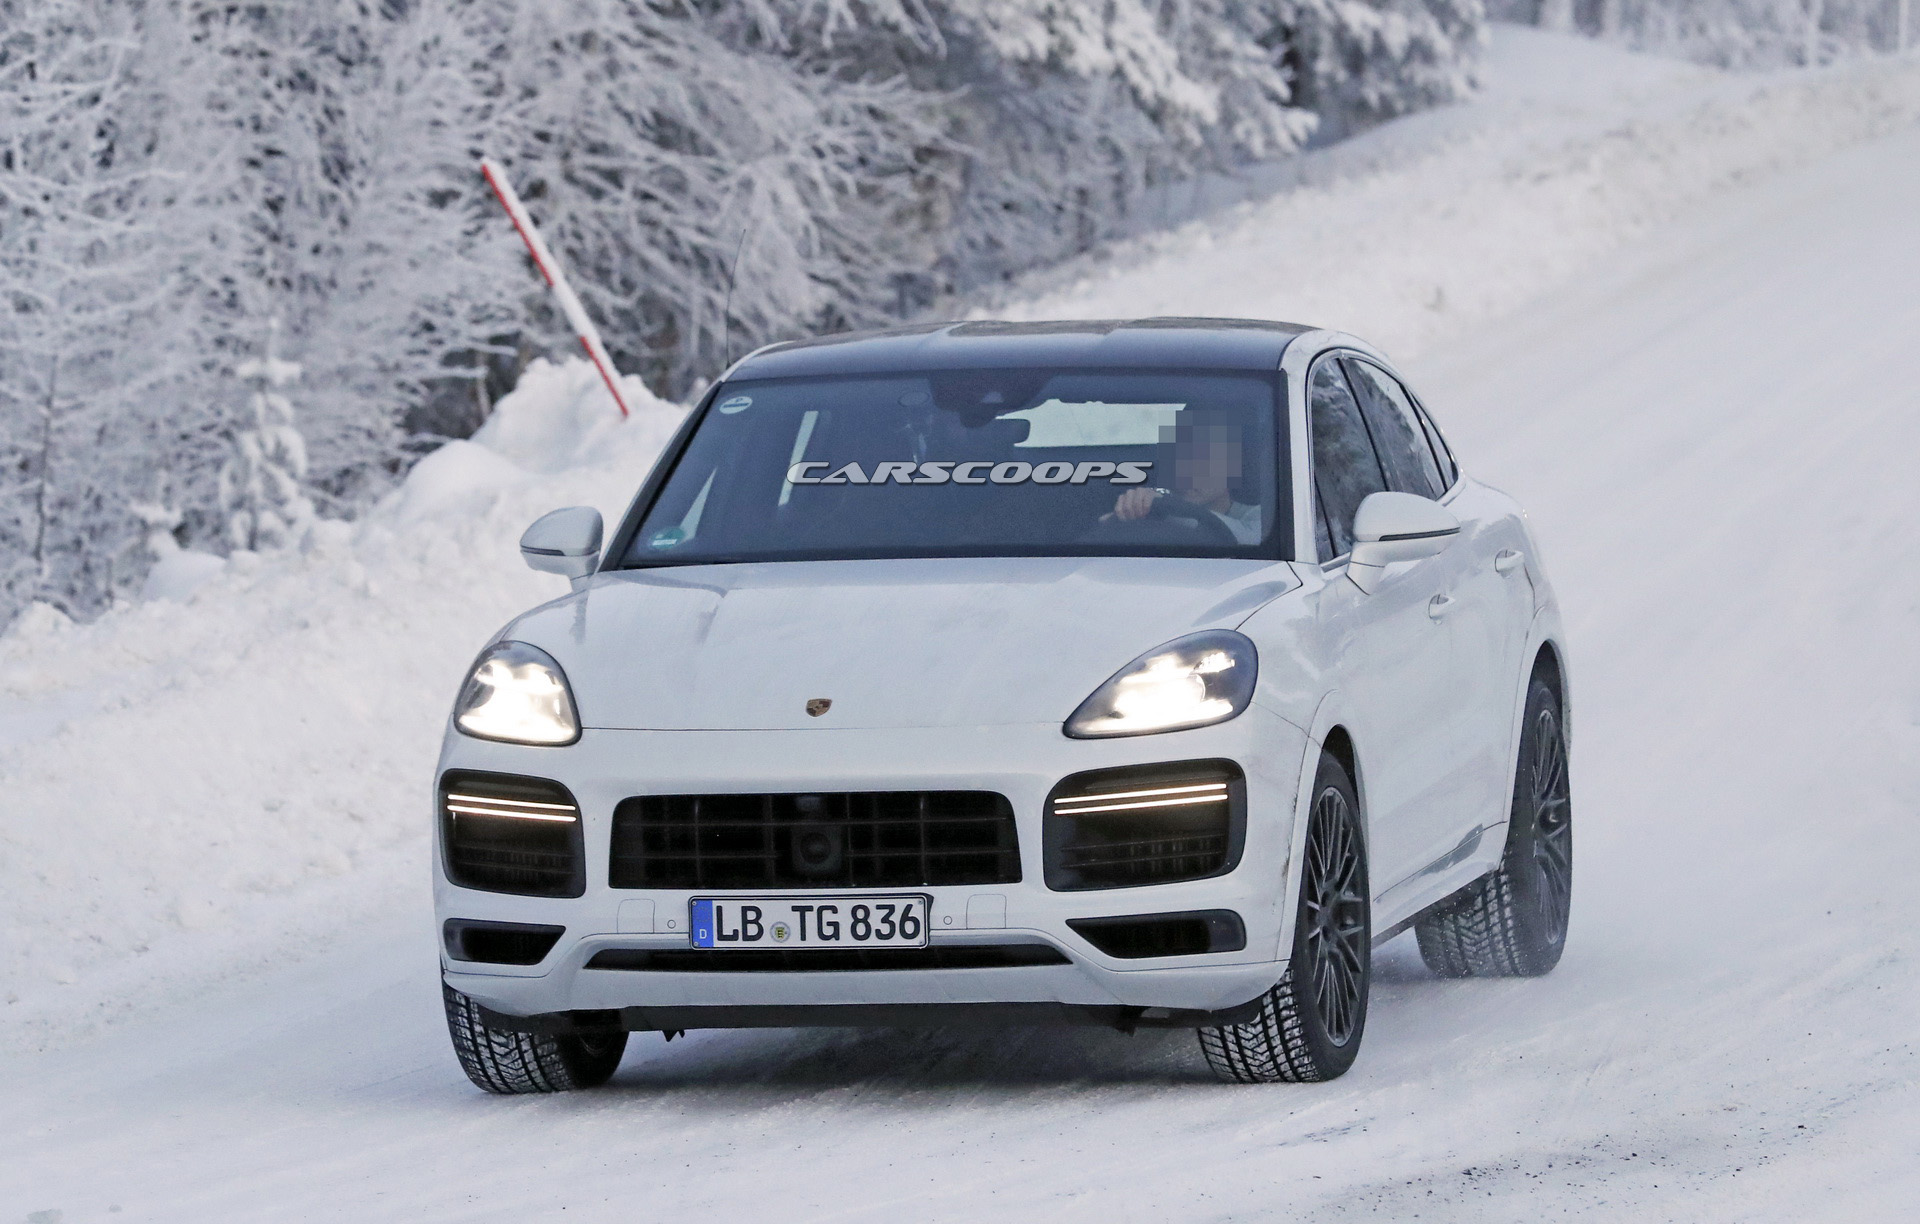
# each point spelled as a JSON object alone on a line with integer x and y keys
{"x": 1192, "y": 681}
{"x": 518, "y": 694}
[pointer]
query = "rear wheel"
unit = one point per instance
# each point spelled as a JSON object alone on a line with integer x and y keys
{"x": 1310, "y": 1023}
{"x": 510, "y": 1062}
{"x": 1513, "y": 923}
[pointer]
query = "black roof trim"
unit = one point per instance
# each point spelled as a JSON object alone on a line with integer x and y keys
{"x": 1169, "y": 343}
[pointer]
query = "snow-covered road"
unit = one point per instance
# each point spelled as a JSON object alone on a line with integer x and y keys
{"x": 1717, "y": 438}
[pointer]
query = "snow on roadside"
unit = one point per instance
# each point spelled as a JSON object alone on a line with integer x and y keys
{"x": 175, "y": 767}
{"x": 193, "y": 786}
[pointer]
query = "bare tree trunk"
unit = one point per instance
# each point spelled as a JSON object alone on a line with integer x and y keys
{"x": 45, "y": 569}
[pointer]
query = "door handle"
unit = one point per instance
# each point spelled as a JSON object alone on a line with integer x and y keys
{"x": 1439, "y": 606}
{"x": 1507, "y": 561}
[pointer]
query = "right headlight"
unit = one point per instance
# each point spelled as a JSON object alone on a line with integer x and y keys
{"x": 1193, "y": 681}
{"x": 518, "y": 694}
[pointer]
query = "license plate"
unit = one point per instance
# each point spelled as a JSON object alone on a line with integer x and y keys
{"x": 809, "y": 922}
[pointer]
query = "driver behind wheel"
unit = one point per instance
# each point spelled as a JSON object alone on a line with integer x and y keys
{"x": 1207, "y": 459}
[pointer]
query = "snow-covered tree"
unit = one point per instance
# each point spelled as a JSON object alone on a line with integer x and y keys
{"x": 260, "y": 495}
{"x": 663, "y": 147}
{"x": 1360, "y": 63}
{"x": 339, "y": 195}
{"x": 1732, "y": 33}
{"x": 89, "y": 351}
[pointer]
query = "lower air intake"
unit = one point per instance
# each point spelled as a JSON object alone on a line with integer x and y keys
{"x": 505, "y": 833}
{"x": 499, "y": 943}
{"x": 1137, "y": 936}
{"x": 1145, "y": 824}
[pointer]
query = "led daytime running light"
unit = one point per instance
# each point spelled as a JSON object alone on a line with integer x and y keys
{"x": 1169, "y": 796}
{"x": 512, "y": 809}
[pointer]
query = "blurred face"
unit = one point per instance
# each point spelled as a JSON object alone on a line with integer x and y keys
{"x": 1206, "y": 460}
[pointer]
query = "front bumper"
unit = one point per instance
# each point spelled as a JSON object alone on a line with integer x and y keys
{"x": 1021, "y": 762}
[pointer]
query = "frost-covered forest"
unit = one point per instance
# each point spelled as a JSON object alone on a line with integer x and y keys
{"x": 1732, "y": 33}
{"x": 250, "y": 271}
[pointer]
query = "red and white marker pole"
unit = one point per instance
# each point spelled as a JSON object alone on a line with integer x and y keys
{"x": 556, "y": 280}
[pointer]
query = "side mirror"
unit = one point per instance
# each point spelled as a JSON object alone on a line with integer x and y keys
{"x": 1393, "y": 527}
{"x": 565, "y": 542}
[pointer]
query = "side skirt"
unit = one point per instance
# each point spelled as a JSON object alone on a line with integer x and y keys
{"x": 1406, "y": 924}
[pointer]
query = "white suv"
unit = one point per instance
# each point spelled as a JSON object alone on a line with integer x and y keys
{"x": 1128, "y": 674}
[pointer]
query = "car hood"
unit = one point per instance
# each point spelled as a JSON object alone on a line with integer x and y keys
{"x": 903, "y": 643}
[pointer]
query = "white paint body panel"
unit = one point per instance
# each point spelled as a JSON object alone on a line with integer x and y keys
{"x": 911, "y": 643}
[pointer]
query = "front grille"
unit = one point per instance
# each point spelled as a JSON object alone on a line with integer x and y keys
{"x": 505, "y": 833}
{"x": 863, "y": 839}
{"x": 1145, "y": 824}
{"x": 823, "y": 960}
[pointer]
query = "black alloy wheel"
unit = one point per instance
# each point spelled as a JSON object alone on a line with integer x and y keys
{"x": 1513, "y": 923}
{"x": 1311, "y": 1021}
{"x": 1552, "y": 810}
{"x": 1334, "y": 907}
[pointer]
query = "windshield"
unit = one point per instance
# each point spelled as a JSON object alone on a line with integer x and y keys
{"x": 976, "y": 463}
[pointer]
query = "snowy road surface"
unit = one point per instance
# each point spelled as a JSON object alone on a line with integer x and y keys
{"x": 1717, "y": 438}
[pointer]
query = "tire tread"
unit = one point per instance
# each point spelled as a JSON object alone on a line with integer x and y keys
{"x": 1272, "y": 1048}
{"x": 512, "y": 1063}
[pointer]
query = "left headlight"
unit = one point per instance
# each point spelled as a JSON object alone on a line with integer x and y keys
{"x": 1193, "y": 681}
{"x": 518, "y": 694}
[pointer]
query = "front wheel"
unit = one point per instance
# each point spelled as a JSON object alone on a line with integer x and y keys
{"x": 510, "y": 1062}
{"x": 1513, "y": 923}
{"x": 1310, "y": 1023}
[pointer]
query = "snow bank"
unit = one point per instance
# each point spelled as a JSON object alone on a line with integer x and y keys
{"x": 557, "y": 417}
{"x": 179, "y": 764}
{"x": 179, "y": 574}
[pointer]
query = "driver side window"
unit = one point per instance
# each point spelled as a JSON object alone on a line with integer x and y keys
{"x": 1345, "y": 468}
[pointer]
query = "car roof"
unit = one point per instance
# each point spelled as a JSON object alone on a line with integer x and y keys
{"x": 1168, "y": 343}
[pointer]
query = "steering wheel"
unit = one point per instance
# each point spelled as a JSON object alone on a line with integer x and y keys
{"x": 1176, "y": 511}
{"x": 1179, "y": 525}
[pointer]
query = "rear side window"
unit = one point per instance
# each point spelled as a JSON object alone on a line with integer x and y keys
{"x": 1397, "y": 437}
{"x": 1345, "y": 468}
{"x": 1449, "y": 470}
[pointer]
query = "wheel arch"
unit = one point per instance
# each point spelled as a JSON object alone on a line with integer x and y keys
{"x": 1327, "y": 735}
{"x": 1546, "y": 658}
{"x": 1550, "y": 664}
{"x": 1338, "y": 744}
{"x": 1327, "y": 732}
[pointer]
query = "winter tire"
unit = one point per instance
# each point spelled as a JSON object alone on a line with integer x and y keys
{"x": 1310, "y": 1023}
{"x": 1513, "y": 923}
{"x": 510, "y": 1062}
